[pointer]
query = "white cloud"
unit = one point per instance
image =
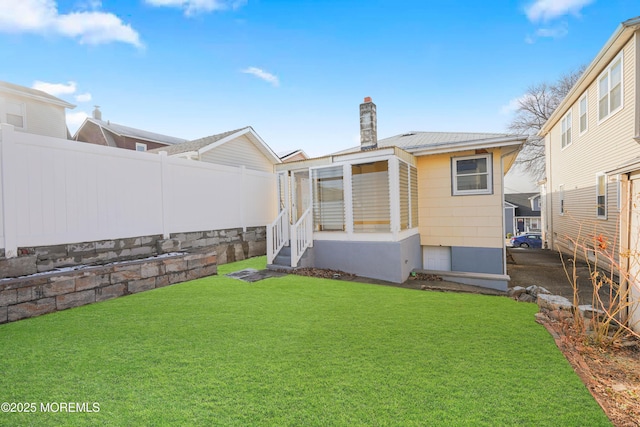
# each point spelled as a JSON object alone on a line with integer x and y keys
{"x": 261, "y": 74}
{"x": 556, "y": 32}
{"x": 514, "y": 104}
{"x": 97, "y": 28}
{"x": 74, "y": 120}
{"x": 83, "y": 97}
{"x": 193, "y": 7}
{"x": 42, "y": 17}
{"x": 58, "y": 89}
{"x": 55, "y": 89}
{"x": 547, "y": 10}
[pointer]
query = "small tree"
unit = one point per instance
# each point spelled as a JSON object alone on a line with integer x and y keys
{"x": 534, "y": 109}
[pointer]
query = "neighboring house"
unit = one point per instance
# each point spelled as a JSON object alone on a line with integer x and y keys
{"x": 33, "y": 111}
{"x": 418, "y": 201}
{"x": 292, "y": 156}
{"x": 592, "y": 190}
{"x": 240, "y": 147}
{"x": 522, "y": 213}
{"x": 96, "y": 131}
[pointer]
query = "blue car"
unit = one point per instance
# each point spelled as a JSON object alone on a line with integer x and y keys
{"x": 527, "y": 240}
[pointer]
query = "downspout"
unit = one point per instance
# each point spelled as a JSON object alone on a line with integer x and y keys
{"x": 504, "y": 231}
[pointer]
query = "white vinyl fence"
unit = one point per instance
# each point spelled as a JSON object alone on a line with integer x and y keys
{"x": 55, "y": 191}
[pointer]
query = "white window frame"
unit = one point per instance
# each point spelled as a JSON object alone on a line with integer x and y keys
{"x": 489, "y": 173}
{"x": 4, "y": 111}
{"x": 141, "y": 146}
{"x": 582, "y": 113}
{"x": 607, "y": 74}
{"x": 566, "y": 130}
{"x": 600, "y": 176}
{"x": 561, "y": 194}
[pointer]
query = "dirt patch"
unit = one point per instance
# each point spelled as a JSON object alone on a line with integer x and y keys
{"x": 612, "y": 375}
{"x": 322, "y": 273}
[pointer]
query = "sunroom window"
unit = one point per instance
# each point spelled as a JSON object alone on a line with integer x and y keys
{"x": 370, "y": 189}
{"x": 408, "y": 181}
{"x": 328, "y": 199}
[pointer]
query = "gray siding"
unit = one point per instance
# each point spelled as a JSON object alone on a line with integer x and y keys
{"x": 390, "y": 261}
{"x": 477, "y": 260}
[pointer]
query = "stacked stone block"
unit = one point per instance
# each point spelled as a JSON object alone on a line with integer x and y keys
{"x": 230, "y": 244}
{"x": 31, "y": 296}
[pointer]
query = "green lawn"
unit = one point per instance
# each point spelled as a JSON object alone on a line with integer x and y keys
{"x": 292, "y": 351}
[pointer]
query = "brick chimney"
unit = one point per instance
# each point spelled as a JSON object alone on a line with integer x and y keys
{"x": 97, "y": 114}
{"x": 368, "y": 125}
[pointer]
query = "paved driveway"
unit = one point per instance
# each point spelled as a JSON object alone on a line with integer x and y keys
{"x": 543, "y": 267}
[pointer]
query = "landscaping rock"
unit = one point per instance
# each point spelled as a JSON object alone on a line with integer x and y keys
{"x": 554, "y": 302}
{"x": 516, "y": 291}
{"x": 537, "y": 290}
{"x": 526, "y": 298}
{"x": 587, "y": 311}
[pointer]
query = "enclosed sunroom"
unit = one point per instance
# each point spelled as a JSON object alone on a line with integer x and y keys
{"x": 355, "y": 212}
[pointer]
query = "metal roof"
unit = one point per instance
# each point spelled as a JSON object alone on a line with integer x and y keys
{"x": 418, "y": 141}
{"x": 136, "y": 133}
{"x": 39, "y": 95}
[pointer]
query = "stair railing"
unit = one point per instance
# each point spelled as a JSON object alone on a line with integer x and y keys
{"x": 277, "y": 235}
{"x": 301, "y": 236}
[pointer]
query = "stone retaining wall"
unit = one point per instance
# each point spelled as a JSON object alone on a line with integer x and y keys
{"x": 230, "y": 245}
{"x": 35, "y": 295}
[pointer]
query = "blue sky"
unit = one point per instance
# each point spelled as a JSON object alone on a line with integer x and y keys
{"x": 297, "y": 70}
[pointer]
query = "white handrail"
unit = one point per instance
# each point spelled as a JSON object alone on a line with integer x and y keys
{"x": 277, "y": 235}
{"x": 301, "y": 237}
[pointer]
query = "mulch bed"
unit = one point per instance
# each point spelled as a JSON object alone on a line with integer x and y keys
{"x": 612, "y": 375}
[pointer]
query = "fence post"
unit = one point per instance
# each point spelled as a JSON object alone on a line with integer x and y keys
{"x": 9, "y": 174}
{"x": 243, "y": 196}
{"x": 164, "y": 191}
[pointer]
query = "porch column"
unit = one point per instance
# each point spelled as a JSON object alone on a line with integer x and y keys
{"x": 394, "y": 196}
{"x": 348, "y": 198}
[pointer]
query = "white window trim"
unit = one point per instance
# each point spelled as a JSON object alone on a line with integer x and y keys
{"x": 454, "y": 176}
{"x": 598, "y": 175}
{"x": 141, "y": 145}
{"x": 607, "y": 71}
{"x": 567, "y": 123}
{"x": 4, "y": 111}
{"x": 618, "y": 193}
{"x": 585, "y": 113}
{"x": 561, "y": 206}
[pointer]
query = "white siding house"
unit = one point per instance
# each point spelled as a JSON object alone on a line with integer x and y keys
{"x": 241, "y": 147}
{"x": 33, "y": 111}
{"x": 592, "y": 146}
{"x": 420, "y": 201}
